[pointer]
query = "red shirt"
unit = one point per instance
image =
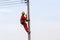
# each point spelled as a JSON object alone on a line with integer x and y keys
{"x": 23, "y": 18}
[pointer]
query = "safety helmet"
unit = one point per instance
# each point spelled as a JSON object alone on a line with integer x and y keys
{"x": 23, "y": 12}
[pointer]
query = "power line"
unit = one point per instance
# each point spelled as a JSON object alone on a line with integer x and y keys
{"x": 6, "y": 3}
{"x": 9, "y": 2}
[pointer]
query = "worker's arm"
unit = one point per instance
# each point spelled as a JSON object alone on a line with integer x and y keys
{"x": 27, "y": 20}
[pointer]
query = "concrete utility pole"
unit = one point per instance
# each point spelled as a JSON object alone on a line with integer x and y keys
{"x": 28, "y": 11}
{"x": 29, "y": 34}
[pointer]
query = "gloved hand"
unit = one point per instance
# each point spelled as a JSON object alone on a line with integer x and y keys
{"x": 25, "y": 14}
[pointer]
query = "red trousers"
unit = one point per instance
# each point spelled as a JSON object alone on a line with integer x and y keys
{"x": 25, "y": 27}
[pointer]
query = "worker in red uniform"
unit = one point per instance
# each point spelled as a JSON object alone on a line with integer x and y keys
{"x": 23, "y": 20}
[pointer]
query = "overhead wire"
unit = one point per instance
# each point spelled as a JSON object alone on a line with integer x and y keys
{"x": 6, "y": 3}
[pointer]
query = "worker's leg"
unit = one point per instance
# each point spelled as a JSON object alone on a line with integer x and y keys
{"x": 25, "y": 26}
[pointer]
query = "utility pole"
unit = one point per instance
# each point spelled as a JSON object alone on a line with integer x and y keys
{"x": 29, "y": 34}
{"x": 28, "y": 11}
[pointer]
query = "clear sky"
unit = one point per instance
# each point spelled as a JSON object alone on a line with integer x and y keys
{"x": 45, "y": 20}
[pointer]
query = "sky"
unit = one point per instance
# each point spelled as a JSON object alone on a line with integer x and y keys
{"x": 44, "y": 16}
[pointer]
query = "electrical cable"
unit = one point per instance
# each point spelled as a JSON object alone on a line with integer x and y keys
{"x": 5, "y": 3}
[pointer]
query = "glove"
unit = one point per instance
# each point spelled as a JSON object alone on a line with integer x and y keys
{"x": 25, "y": 14}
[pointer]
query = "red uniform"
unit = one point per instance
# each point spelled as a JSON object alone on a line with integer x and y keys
{"x": 23, "y": 22}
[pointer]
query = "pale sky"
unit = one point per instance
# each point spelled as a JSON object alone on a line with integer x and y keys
{"x": 45, "y": 20}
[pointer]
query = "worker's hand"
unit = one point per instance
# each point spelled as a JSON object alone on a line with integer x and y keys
{"x": 27, "y": 20}
{"x": 25, "y": 14}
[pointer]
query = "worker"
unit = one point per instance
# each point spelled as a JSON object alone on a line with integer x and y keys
{"x": 23, "y": 20}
